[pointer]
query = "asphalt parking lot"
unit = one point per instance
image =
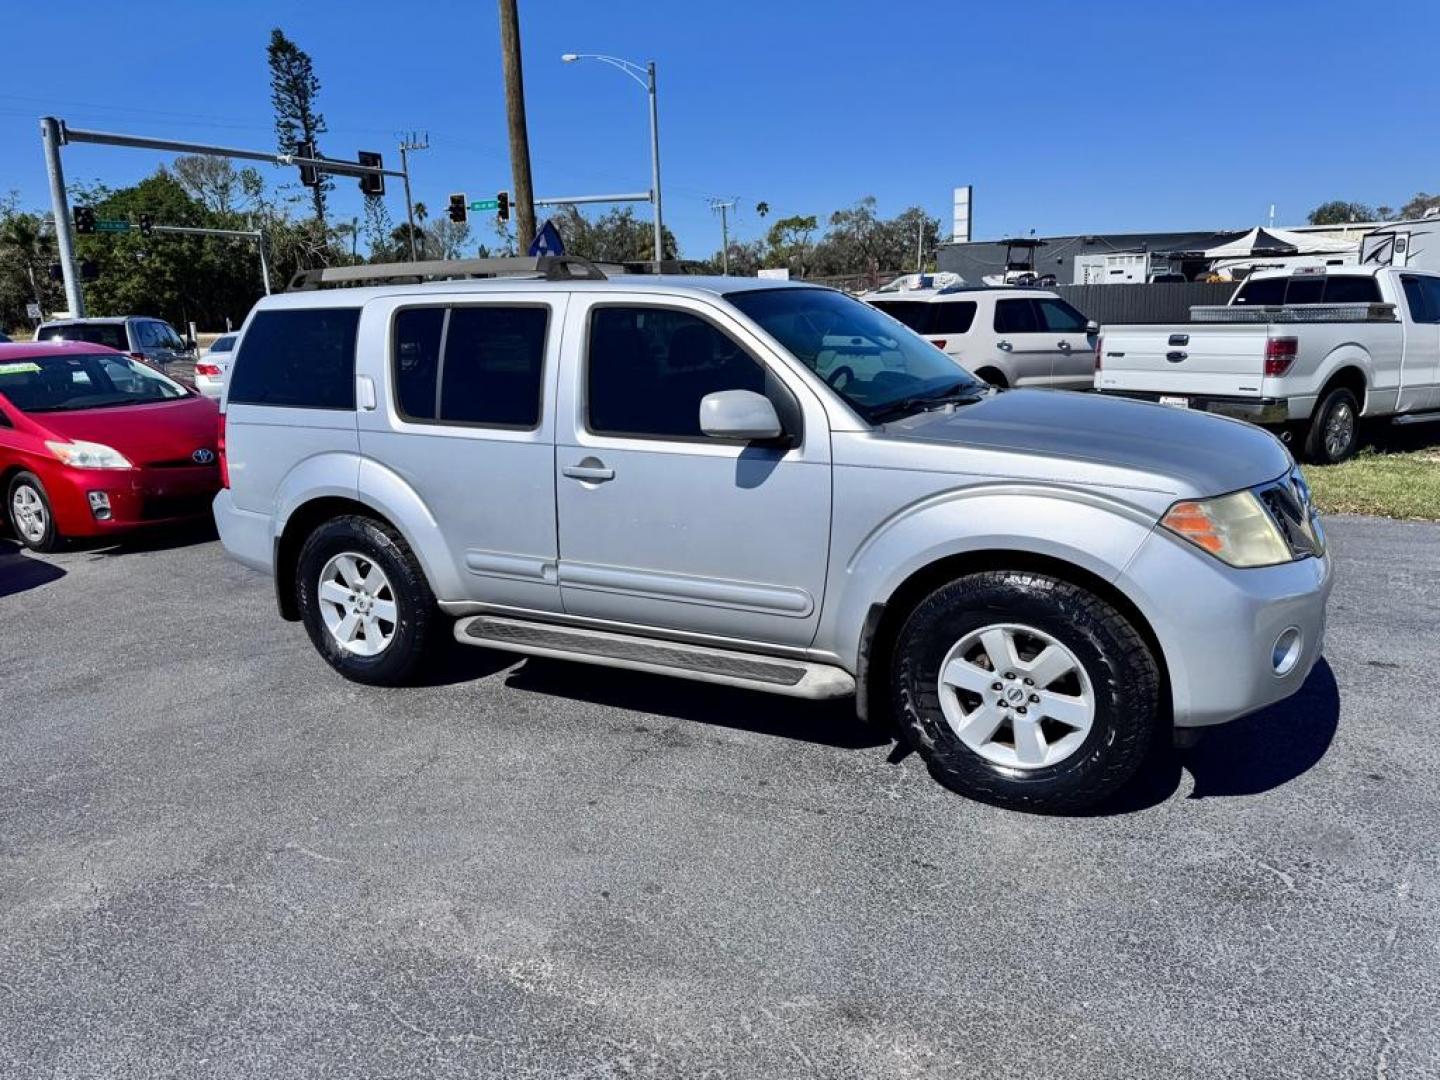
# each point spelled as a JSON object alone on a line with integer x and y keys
{"x": 219, "y": 859}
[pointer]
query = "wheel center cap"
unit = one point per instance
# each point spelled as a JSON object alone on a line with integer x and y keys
{"x": 1015, "y": 695}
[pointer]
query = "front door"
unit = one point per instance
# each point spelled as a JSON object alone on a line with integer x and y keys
{"x": 1020, "y": 337}
{"x": 1072, "y": 363}
{"x": 661, "y": 526}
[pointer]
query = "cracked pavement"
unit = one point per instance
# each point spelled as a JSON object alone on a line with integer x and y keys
{"x": 218, "y": 859}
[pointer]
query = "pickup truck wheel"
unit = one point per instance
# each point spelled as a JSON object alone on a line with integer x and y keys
{"x": 1334, "y": 432}
{"x": 365, "y": 601}
{"x": 1025, "y": 690}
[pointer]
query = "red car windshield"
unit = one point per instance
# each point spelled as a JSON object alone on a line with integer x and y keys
{"x": 37, "y": 384}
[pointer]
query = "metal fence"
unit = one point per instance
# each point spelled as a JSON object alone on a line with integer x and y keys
{"x": 1161, "y": 303}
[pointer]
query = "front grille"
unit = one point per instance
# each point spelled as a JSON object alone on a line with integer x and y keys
{"x": 1288, "y": 502}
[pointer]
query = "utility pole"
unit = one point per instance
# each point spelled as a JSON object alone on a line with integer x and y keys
{"x": 655, "y": 167}
{"x": 412, "y": 142}
{"x": 53, "y": 137}
{"x": 724, "y": 208}
{"x": 524, "y": 200}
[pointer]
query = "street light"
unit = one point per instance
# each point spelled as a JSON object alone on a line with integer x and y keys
{"x": 645, "y": 76}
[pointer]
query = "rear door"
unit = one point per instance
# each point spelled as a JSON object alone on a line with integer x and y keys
{"x": 1420, "y": 373}
{"x": 467, "y": 422}
{"x": 1073, "y": 362}
{"x": 1022, "y": 338}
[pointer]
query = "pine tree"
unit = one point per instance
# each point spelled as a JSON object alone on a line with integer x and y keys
{"x": 293, "y": 89}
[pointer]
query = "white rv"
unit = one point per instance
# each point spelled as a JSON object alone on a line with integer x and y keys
{"x": 1414, "y": 244}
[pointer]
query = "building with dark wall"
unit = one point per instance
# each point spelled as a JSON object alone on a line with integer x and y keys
{"x": 1057, "y": 256}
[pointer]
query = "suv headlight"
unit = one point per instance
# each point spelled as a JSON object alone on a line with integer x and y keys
{"x": 1234, "y": 528}
{"x": 89, "y": 455}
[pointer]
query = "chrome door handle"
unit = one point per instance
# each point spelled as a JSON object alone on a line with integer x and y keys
{"x": 590, "y": 470}
{"x": 1004, "y": 345}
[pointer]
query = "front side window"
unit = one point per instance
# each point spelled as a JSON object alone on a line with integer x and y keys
{"x": 71, "y": 382}
{"x": 1416, "y": 300}
{"x": 649, "y": 367}
{"x": 301, "y": 358}
{"x": 880, "y": 368}
{"x": 1060, "y": 318}
{"x": 481, "y": 365}
{"x": 1431, "y": 288}
{"x": 1016, "y": 317}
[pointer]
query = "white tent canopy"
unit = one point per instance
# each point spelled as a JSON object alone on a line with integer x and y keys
{"x": 1280, "y": 242}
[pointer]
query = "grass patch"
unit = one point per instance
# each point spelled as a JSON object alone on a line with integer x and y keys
{"x": 1398, "y": 478}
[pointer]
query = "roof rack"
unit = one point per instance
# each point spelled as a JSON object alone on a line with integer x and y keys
{"x": 542, "y": 267}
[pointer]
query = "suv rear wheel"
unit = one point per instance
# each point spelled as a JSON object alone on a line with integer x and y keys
{"x": 364, "y": 600}
{"x": 1025, "y": 690}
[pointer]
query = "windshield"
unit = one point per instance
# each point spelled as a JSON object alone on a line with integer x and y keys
{"x": 880, "y": 367}
{"x": 37, "y": 384}
{"x": 111, "y": 335}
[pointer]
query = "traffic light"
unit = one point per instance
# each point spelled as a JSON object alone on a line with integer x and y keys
{"x": 459, "y": 211}
{"x": 146, "y": 224}
{"x": 308, "y": 176}
{"x": 371, "y": 183}
{"x": 502, "y": 205}
{"x": 84, "y": 220}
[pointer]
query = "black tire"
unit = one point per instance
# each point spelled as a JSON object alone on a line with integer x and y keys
{"x": 1319, "y": 448}
{"x": 1122, "y": 672}
{"x": 993, "y": 376}
{"x": 417, "y": 615}
{"x": 51, "y": 539}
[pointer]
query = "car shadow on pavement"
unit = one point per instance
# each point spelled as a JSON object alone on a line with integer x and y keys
{"x": 1244, "y": 757}
{"x": 147, "y": 541}
{"x": 828, "y": 723}
{"x": 20, "y": 572}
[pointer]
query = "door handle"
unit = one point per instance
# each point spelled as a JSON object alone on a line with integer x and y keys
{"x": 589, "y": 469}
{"x": 1005, "y": 345}
{"x": 1063, "y": 346}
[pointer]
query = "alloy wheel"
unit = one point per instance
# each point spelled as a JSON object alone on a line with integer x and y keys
{"x": 1339, "y": 430}
{"x": 28, "y": 511}
{"x": 358, "y": 604}
{"x": 1016, "y": 696}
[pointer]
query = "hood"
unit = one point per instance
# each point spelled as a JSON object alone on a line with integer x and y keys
{"x": 1191, "y": 453}
{"x": 165, "y": 431}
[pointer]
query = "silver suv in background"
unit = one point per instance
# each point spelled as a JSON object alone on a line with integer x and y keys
{"x": 1005, "y": 336}
{"x": 771, "y": 486}
{"x": 151, "y": 340}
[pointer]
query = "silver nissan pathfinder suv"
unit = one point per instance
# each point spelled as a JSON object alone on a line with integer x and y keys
{"x": 766, "y": 485}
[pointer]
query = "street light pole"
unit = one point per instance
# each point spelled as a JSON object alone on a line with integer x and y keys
{"x": 52, "y": 136}
{"x": 634, "y": 70}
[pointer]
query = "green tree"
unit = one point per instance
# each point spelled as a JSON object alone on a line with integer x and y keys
{"x": 1340, "y": 212}
{"x": 788, "y": 240}
{"x": 1418, "y": 206}
{"x": 293, "y": 90}
{"x": 26, "y": 251}
{"x": 614, "y": 236}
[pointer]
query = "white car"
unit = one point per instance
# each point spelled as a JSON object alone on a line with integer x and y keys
{"x": 214, "y": 362}
{"x": 1006, "y": 336}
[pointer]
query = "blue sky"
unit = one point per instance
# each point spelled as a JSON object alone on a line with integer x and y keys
{"x": 1080, "y": 116}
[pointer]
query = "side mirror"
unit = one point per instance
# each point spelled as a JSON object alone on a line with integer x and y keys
{"x": 739, "y": 414}
{"x": 1092, "y": 327}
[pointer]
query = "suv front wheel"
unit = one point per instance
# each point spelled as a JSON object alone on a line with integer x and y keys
{"x": 1025, "y": 690}
{"x": 365, "y": 601}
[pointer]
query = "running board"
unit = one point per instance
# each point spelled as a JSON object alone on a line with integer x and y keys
{"x": 774, "y": 675}
{"x": 1416, "y": 418}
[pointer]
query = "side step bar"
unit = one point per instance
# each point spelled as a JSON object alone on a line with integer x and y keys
{"x": 775, "y": 675}
{"x": 1416, "y": 418}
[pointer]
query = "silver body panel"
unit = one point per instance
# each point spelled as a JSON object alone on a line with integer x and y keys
{"x": 776, "y": 550}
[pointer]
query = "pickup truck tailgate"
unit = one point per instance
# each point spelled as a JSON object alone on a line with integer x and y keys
{"x": 1218, "y": 360}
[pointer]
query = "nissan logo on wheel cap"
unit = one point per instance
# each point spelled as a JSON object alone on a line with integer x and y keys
{"x": 203, "y": 456}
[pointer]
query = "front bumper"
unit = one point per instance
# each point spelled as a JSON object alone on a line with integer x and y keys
{"x": 1218, "y": 625}
{"x": 137, "y": 498}
{"x": 1257, "y": 410}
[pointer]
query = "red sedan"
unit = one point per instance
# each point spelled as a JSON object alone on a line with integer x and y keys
{"x": 93, "y": 442}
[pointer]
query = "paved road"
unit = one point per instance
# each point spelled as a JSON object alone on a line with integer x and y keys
{"x": 217, "y": 859}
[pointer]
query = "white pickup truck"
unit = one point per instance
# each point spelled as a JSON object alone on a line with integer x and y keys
{"x": 1310, "y": 352}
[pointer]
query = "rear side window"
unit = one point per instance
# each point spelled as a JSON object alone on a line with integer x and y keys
{"x": 1265, "y": 292}
{"x": 480, "y": 365}
{"x": 952, "y": 317}
{"x": 1349, "y": 289}
{"x": 111, "y": 335}
{"x": 913, "y": 313}
{"x": 301, "y": 359}
{"x": 1015, "y": 317}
